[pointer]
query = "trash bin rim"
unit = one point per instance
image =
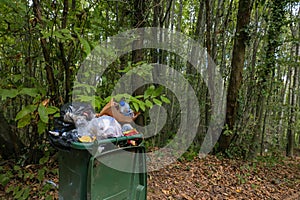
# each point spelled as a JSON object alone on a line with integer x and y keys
{"x": 91, "y": 145}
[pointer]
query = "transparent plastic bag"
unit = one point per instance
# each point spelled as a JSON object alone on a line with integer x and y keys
{"x": 104, "y": 127}
{"x": 77, "y": 113}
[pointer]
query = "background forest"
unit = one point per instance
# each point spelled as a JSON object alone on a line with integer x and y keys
{"x": 254, "y": 43}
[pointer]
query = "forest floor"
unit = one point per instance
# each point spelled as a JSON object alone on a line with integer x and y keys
{"x": 213, "y": 178}
{"x": 207, "y": 178}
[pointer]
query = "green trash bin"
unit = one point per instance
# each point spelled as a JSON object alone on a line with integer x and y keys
{"x": 85, "y": 175}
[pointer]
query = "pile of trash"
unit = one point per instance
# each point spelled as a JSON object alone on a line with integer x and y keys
{"x": 78, "y": 122}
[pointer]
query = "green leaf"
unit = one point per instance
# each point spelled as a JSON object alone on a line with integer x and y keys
{"x": 25, "y": 111}
{"x": 58, "y": 35}
{"x": 18, "y": 193}
{"x": 133, "y": 99}
{"x": 142, "y": 106}
{"x": 43, "y": 113}
{"x": 157, "y": 91}
{"x": 4, "y": 180}
{"x": 157, "y": 102}
{"x": 17, "y": 168}
{"x": 24, "y": 121}
{"x": 29, "y": 91}
{"x": 148, "y": 92}
{"x": 165, "y": 99}
{"x": 42, "y": 126}
{"x": 5, "y": 93}
{"x": 66, "y": 33}
{"x": 52, "y": 109}
{"x": 44, "y": 159}
{"x": 149, "y": 103}
{"x": 139, "y": 96}
{"x": 107, "y": 99}
{"x": 46, "y": 34}
{"x": 26, "y": 192}
{"x": 41, "y": 173}
{"x": 17, "y": 77}
{"x": 86, "y": 45}
{"x": 136, "y": 106}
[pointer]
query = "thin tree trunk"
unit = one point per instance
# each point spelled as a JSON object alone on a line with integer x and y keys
{"x": 209, "y": 96}
{"x": 178, "y": 28}
{"x": 138, "y": 55}
{"x": 223, "y": 63}
{"x": 46, "y": 52}
{"x": 64, "y": 59}
{"x": 216, "y": 31}
{"x": 237, "y": 64}
{"x": 292, "y": 113}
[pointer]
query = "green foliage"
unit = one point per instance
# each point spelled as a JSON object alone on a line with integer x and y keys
{"x": 242, "y": 178}
{"x": 146, "y": 101}
{"x": 5, "y": 177}
{"x": 36, "y": 53}
{"x": 227, "y": 131}
{"x": 39, "y": 113}
{"x": 12, "y": 93}
{"x": 13, "y": 179}
{"x": 188, "y": 156}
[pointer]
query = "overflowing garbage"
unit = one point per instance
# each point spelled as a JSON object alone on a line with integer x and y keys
{"x": 78, "y": 122}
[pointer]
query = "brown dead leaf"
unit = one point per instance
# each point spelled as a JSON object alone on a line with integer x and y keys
{"x": 186, "y": 197}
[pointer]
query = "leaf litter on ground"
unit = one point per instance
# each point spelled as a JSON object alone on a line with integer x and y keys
{"x": 206, "y": 178}
{"x": 213, "y": 178}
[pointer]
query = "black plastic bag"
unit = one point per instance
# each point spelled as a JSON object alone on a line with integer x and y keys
{"x": 72, "y": 116}
{"x": 61, "y": 126}
{"x": 63, "y": 141}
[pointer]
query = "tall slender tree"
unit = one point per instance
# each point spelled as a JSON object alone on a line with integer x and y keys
{"x": 237, "y": 64}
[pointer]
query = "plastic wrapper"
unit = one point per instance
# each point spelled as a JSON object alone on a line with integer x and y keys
{"x": 77, "y": 113}
{"x": 104, "y": 127}
{"x": 126, "y": 127}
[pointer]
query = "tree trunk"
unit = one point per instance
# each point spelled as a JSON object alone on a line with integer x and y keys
{"x": 237, "y": 64}
{"x": 64, "y": 58}
{"x": 292, "y": 113}
{"x": 46, "y": 53}
{"x": 138, "y": 55}
{"x": 10, "y": 144}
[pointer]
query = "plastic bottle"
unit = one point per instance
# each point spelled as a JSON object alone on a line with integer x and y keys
{"x": 125, "y": 108}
